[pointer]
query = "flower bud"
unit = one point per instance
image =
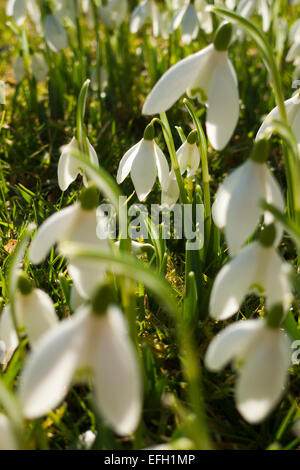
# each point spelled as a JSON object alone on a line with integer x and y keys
{"x": 268, "y": 236}
{"x": 149, "y": 132}
{"x": 223, "y": 37}
{"x": 192, "y": 137}
{"x": 89, "y": 198}
{"x": 105, "y": 296}
{"x": 260, "y": 151}
{"x": 24, "y": 284}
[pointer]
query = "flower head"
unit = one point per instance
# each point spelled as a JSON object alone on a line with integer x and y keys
{"x": 262, "y": 355}
{"x": 114, "y": 13}
{"x": 187, "y": 17}
{"x": 55, "y": 34}
{"x": 145, "y": 11}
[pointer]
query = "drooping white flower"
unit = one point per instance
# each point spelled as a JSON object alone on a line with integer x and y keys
{"x": 55, "y": 34}
{"x": 188, "y": 155}
{"x": 292, "y": 106}
{"x": 35, "y": 314}
{"x": 91, "y": 344}
{"x": 146, "y": 11}
{"x": 39, "y": 67}
{"x": 209, "y": 76}
{"x": 8, "y": 439}
{"x": 246, "y": 9}
{"x": 237, "y": 207}
{"x": 187, "y": 18}
{"x": 79, "y": 224}
{"x": 144, "y": 161}
{"x": 87, "y": 439}
{"x": 19, "y": 68}
{"x": 256, "y": 269}
{"x": 170, "y": 194}
{"x": 262, "y": 355}
{"x": 66, "y": 9}
{"x": 114, "y": 13}
{"x": 103, "y": 79}
{"x": 16, "y": 9}
{"x": 69, "y": 168}
{"x": 205, "y": 17}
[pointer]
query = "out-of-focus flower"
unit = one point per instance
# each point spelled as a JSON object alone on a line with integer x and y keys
{"x": 55, "y": 34}
{"x": 209, "y": 76}
{"x": 189, "y": 156}
{"x": 170, "y": 194}
{"x": 8, "y": 439}
{"x": 246, "y": 9}
{"x": 241, "y": 192}
{"x": 94, "y": 342}
{"x": 17, "y": 10}
{"x": 114, "y": 13}
{"x": 39, "y": 67}
{"x": 262, "y": 356}
{"x": 187, "y": 18}
{"x": 19, "y": 68}
{"x": 2, "y": 92}
{"x": 146, "y": 11}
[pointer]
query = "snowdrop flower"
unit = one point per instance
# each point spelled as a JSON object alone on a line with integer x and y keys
{"x": 2, "y": 92}
{"x": 79, "y": 224}
{"x": 208, "y": 75}
{"x": 19, "y": 68}
{"x": 16, "y": 9}
{"x": 34, "y": 312}
{"x": 144, "y": 12}
{"x": 246, "y": 9}
{"x": 8, "y": 439}
{"x": 114, "y": 13}
{"x": 187, "y": 17}
{"x": 55, "y": 34}
{"x": 188, "y": 155}
{"x": 144, "y": 161}
{"x": 87, "y": 439}
{"x": 69, "y": 168}
{"x": 39, "y": 67}
{"x": 262, "y": 354}
{"x": 241, "y": 193}
{"x": 170, "y": 194}
{"x": 103, "y": 79}
{"x": 205, "y": 18}
{"x": 256, "y": 269}
{"x": 292, "y": 106}
{"x": 94, "y": 341}
{"x": 66, "y": 9}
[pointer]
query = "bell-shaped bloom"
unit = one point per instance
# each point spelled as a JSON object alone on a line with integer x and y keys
{"x": 262, "y": 355}
{"x": 19, "y": 68}
{"x": 205, "y": 18}
{"x": 66, "y": 9}
{"x": 210, "y": 76}
{"x": 187, "y": 18}
{"x": 8, "y": 439}
{"x": 55, "y": 34}
{"x": 237, "y": 206}
{"x": 17, "y": 10}
{"x": 39, "y": 67}
{"x": 188, "y": 158}
{"x": 69, "y": 168}
{"x": 35, "y": 314}
{"x": 292, "y": 106}
{"x": 246, "y": 8}
{"x": 146, "y": 11}
{"x": 94, "y": 345}
{"x": 113, "y": 14}
{"x": 170, "y": 195}
{"x": 78, "y": 225}
{"x": 256, "y": 269}
{"x": 103, "y": 79}
{"x": 144, "y": 161}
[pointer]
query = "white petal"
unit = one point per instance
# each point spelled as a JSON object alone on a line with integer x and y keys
{"x": 263, "y": 376}
{"x": 16, "y": 9}
{"x": 232, "y": 283}
{"x": 117, "y": 377}
{"x": 274, "y": 197}
{"x": 93, "y": 155}
{"x": 175, "y": 82}
{"x": 223, "y": 105}
{"x": 144, "y": 171}
{"x": 170, "y": 195}
{"x": 223, "y": 196}
{"x": 7, "y": 437}
{"x": 230, "y": 343}
{"x": 49, "y": 370}
{"x": 291, "y": 109}
{"x": 38, "y": 314}
{"x": 39, "y": 67}
{"x": 162, "y": 166}
{"x": 190, "y": 25}
{"x": 55, "y": 33}
{"x": 126, "y": 162}
{"x": 244, "y": 208}
{"x": 51, "y": 231}
{"x": 68, "y": 168}
{"x": 177, "y": 18}
{"x": 139, "y": 16}
{"x": 86, "y": 275}
{"x": 188, "y": 158}
{"x": 8, "y": 336}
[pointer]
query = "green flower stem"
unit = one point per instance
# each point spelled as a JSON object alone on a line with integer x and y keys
{"x": 80, "y": 127}
{"x": 174, "y": 160}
